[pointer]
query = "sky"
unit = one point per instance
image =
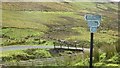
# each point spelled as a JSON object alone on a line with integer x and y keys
{"x": 115, "y": 0}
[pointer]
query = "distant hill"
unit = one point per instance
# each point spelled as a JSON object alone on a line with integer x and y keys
{"x": 108, "y": 10}
{"x": 54, "y": 6}
{"x": 64, "y": 20}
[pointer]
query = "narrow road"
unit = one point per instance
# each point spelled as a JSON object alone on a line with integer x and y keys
{"x": 23, "y": 47}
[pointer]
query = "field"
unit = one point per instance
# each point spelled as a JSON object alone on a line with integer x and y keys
{"x": 44, "y": 23}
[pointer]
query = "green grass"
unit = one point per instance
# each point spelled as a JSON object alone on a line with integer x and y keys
{"x": 34, "y": 19}
{"x": 27, "y": 25}
{"x": 13, "y": 36}
{"x": 20, "y": 33}
{"x": 9, "y": 53}
{"x": 39, "y": 6}
{"x": 20, "y": 20}
{"x": 36, "y": 23}
{"x": 53, "y": 6}
{"x": 84, "y": 35}
{"x": 17, "y": 55}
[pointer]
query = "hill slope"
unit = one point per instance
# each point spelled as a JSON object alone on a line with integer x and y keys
{"x": 57, "y": 21}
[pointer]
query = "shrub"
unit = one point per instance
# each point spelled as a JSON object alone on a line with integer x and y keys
{"x": 29, "y": 51}
{"x": 100, "y": 44}
{"x": 114, "y": 65}
{"x": 7, "y": 58}
{"x": 100, "y": 64}
{"x": 115, "y": 59}
{"x": 109, "y": 50}
{"x": 102, "y": 57}
{"x": 96, "y": 54}
{"x": 41, "y": 53}
{"x": 117, "y": 46}
{"x": 84, "y": 62}
{"x": 21, "y": 56}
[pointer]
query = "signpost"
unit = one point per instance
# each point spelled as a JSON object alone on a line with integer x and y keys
{"x": 93, "y": 22}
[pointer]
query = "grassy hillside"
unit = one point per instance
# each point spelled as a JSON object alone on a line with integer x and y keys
{"x": 44, "y": 23}
{"x": 56, "y": 20}
{"x": 61, "y": 6}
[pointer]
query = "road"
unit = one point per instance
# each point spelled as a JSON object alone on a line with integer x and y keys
{"x": 39, "y": 61}
{"x": 23, "y": 47}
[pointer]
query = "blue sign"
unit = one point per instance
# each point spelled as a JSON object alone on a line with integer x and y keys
{"x": 92, "y": 17}
{"x": 93, "y": 29}
{"x": 93, "y": 21}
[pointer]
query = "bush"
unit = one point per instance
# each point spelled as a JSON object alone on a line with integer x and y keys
{"x": 41, "y": 53}
{"x": 26, "y": 55}
{"x": 117, "y": 46}
{"x": 109, "y": 50}
{"x": 102, "y": 57}
{"x": 100, "y": 64}
{"x": 100, "y": 44}
{"x": 7, "y": 58}
{"x": 115, "y": 59}
{"x": 37, "y": 53}
{"x": 96, "y": 54}
{"x": 21, "y": 56}
{"x": 84, "y": 62}
{"x": 16, "y": 56}
{"x": 29, "y": 51}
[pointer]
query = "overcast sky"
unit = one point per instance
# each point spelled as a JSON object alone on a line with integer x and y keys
{"x": 116, "y": 0}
